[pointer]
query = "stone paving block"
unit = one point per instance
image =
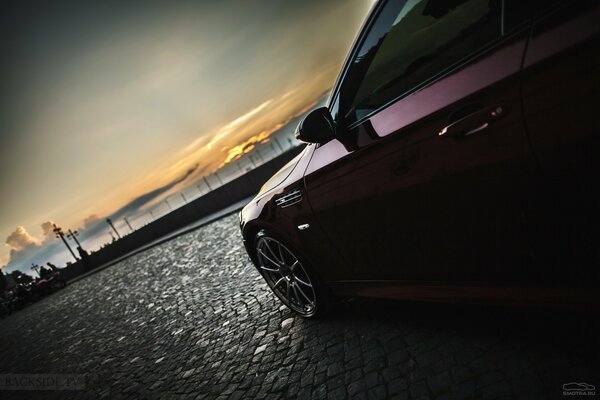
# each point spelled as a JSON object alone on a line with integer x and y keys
{"x": 192, "y": 318}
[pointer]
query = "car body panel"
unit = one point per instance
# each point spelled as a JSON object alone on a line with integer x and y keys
{"x": 263, "y": 213}
{"x": 397, "y": 210}
{"x": 381, "y": 203}
{"x": 561, "y": 95}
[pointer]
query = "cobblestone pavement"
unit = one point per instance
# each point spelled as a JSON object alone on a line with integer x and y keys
{"x": 191, "y": 318}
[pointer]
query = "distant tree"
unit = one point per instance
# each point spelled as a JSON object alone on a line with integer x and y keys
{"x": 20, "y": 277}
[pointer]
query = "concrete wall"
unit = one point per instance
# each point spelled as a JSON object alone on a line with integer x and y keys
{"x": 230, "y": 193}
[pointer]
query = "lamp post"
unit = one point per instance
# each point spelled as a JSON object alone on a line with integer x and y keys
{"x": 128, "y": 224}
{"x": 218, "y": 178}
{"x": 60, "y": 235}
{"x": 109, "y": 222}
{"x": 260, "y": 155}
{"x": 73, "y": 235}
{"x": 279, "y": 144}
{"x": 207, "y": 184}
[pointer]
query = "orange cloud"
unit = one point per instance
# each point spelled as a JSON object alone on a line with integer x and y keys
{"x": 235, "y": 152}
{"x": 233, "y": 125}
{"x": 238, "y": 136}
{"x": 247, "y": 146}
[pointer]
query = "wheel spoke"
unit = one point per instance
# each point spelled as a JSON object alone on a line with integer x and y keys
{"x": 268, "y": 258}
{"x": 295, "y": 287}
{"x": 295, "y": 294}
{"x": 287, "y": 293}
{"x": 293, "y": 265}
{"x": 304, "y": 295}
{"x": 272, "y": 252}
{"x": 271, "y": 270}
{"x": 281, "y": 253}
{"x": 302, "y": 282}
{"x": 278, "y": 282}
{"x": 262, "y": 253}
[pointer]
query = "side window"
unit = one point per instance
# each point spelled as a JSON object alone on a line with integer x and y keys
{"x": 518, "y": 12}
{"x": 409, "y": 42}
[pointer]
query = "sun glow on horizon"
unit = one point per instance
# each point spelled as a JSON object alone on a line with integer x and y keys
{"x": 108, "y": 105}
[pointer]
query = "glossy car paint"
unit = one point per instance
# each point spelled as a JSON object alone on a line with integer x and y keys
{"x": 397, "y": 210}
{"x": 425, "y": 206}
{"x": 560, "y": 101}
{"x": 263, "y": 213}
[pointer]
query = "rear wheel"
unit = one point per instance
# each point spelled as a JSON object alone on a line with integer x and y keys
{"x": 290, "y": 277}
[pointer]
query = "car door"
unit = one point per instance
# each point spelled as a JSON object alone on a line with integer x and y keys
{"x": 561, "y": 93}
{"x": 429, "y": 173}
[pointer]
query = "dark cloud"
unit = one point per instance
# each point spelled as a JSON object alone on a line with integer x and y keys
{"x": 137, "y": 203}
{"x": 90, "y": 220}
{"x": 26, "y": 249}
{"x": 85, "y": 82}
{"x": 98, "y": 226}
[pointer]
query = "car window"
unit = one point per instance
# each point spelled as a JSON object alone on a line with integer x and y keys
{"x": 519, "y": 12}
{"x": 409, "y": 42}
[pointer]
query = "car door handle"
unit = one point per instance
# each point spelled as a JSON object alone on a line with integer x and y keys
{"x": 474, "y": 122}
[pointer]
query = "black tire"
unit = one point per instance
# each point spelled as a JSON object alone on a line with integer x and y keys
{"x": 291, "y": 278}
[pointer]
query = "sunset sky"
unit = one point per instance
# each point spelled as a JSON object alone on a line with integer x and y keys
{"x": 104, "y": 102}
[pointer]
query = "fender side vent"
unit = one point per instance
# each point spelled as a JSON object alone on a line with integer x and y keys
{"x": 288, "y": 199}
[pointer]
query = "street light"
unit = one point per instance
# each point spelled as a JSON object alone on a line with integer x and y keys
{"x": 279, "y": 144}
{"x": 73, "y": 235}
{"x": 218, "y": 178}
{"x": 109, "y": 222}
{"x": 128, "y": 224}
{"x": 60, "y": 235}
{"x": 207, "y": 184}
{"x": 260, "y": 155}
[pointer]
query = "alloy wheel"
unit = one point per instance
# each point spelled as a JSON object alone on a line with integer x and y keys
{"x": 286, "y": 275}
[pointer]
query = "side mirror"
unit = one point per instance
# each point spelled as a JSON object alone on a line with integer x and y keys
{"x": 316, "y": 127}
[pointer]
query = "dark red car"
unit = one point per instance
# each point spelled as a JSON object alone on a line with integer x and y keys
{"x": 456, "y": 160}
